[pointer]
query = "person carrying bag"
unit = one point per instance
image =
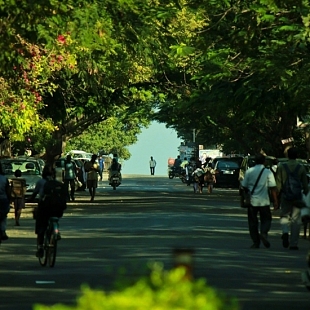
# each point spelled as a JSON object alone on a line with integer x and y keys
{"x": 258, "y": 180}
{"x": 248, "y": 194}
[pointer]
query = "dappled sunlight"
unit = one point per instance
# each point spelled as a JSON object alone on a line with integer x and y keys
{"x": 126, "y": 231}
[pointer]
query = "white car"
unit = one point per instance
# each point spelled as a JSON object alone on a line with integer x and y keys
{"x": 76, "y": 154}
{"x": 30, "y": 168}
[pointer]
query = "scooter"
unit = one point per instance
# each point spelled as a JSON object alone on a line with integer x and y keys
{"x": 115, "y": 180}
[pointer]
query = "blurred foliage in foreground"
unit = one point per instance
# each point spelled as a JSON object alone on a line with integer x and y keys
{"x": 162, "y": 290}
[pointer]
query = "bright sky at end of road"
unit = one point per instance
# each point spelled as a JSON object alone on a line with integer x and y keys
{"x": 157, "y": 141}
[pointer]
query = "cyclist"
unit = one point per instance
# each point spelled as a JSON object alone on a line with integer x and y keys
{"x": 43, "y": 212}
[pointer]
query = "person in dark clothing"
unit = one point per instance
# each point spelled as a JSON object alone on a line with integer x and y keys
{"x": 290, "y": 210}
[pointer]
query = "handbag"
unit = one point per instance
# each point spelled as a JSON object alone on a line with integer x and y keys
{"x": 247, "y": 194}
{"x": 77, "y": 184}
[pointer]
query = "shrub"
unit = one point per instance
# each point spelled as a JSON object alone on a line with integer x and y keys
{"x": 162, "y": 290}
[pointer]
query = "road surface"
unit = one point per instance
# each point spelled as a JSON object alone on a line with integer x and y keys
{"x": 143, "y": 221}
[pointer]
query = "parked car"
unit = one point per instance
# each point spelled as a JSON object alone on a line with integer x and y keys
{"x": 214, "y": 160}
{"x": 249, "y": 161}
{"x": 227, "y": 172}
{"x": 30, "y": 168}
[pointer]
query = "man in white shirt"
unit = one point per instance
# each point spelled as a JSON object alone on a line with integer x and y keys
{"x": 260, "y": 202}
{"x": 152, "y": 165}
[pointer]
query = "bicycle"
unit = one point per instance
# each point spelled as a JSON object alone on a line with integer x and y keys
{"x": 51, "y": 236}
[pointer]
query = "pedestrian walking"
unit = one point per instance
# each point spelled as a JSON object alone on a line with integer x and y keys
{"x": 258, "y": 180}
{"x": 291, "y": 178}
{"x": 18, "y": 190}
{"x": 198, "y": 178}
{"x": 209, "y": 178}
{"x": 92, "y": 170}
{"x": 69, "y": 176}
{"x": 152, "y": 165}
{"x": 5, "y": 195}
{"x": 101, "y": 166}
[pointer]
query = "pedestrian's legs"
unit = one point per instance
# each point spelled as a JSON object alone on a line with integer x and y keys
{"x": 93, "y": 193}
{"x": 72, "y": 189}
{"x": 210, "y": 188}
{"x": 19, "y": 204}
{"x": 5, "y": 208}
{"x": 265, "y": 220}
{"x": 253, "y": 224}
{"x": 17, "y": 216}
{"x": 66, "y": 185}
{"x": 195, "y": 185}
{"x": 285, "y": 215}
{"x": 90, "y": 189}
{"x": 295, "y": 226}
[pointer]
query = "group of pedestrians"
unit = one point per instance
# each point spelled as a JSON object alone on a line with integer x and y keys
{"x": 279, "y": 187}
{"x": 16, "y": 194}
{"x": 93, "y": 169}
{"x": 198, "y": 173}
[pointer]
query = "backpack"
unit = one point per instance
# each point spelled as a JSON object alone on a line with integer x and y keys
{"x": 54, "y": 198}
{"x": 18, "y": 188}
{"x": 292, "y": 187}
{"x": 208, "y": 177}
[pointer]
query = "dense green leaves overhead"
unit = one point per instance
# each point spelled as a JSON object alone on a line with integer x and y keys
{"x": 249, "y": 78}
{"x": 236, "y": 71}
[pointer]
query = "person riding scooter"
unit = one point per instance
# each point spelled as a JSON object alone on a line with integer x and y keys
{"x": 115, "y": 169}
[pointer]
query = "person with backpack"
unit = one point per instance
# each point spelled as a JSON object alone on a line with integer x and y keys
{"x": 258, "y": 180}
{"x": 198, "y": 177}
{"x": 209, "y": 177}
{"x": 291, "y": 179}
{"x": 52, "y": 202}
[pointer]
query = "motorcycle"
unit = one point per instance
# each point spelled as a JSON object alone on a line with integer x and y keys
{"x": 173, "y": 172}
{"x": 115, "y": 180}
{"x": 187, "y": 177}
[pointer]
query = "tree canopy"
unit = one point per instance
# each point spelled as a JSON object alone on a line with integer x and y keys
{"x": 247, "y": 75}
{"x": 235, "y": 71}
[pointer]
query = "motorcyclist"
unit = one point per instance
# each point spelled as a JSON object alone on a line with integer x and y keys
{"x": 177, "y": 164}
{"x": 115, "y": 169}
{"x": 185, "y": 165}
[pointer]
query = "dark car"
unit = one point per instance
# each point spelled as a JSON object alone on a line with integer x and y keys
{"x": 30, "y": 168}
{"x": 227, "y": 172}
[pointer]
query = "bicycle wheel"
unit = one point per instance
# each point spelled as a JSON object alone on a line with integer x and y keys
{"x": 43, "y": 259}
{"x": 52, "y": 250}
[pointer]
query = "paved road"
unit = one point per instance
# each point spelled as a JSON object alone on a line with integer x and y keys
{"x": 143, "y": 221}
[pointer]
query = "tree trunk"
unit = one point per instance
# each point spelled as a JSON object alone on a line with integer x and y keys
{"x": 5, "y": 148}
{"x": 307, "y": 142}
{"x": 55, "y": 149}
